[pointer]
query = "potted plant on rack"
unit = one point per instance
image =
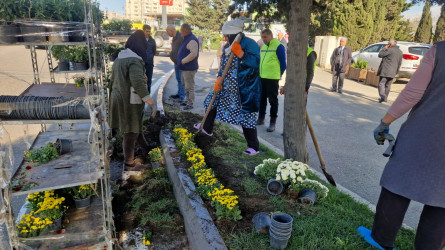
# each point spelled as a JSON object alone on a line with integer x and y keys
{"x": 80, "y": 57}
{"x": 112, "y": 50}
{"x": 82, "y": 195}
{"x": 51, "y": 208}
{"x": 31, "y": 226}
{"x": 61, "y": 53}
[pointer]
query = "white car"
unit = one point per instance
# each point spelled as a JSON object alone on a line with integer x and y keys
{"x": 412, "y": 55}
{"x": 163, "y": 42}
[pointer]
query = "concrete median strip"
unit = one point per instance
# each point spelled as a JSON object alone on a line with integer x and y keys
{"x": 201, "y": 231}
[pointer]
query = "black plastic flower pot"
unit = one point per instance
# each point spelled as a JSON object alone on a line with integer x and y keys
{"x": 307, "y": 196}
{"x": 64, "y": 146}
{"x": 63, "y": 66}
{"x": 83, "y": 203}
{"x": 9, "y": 33}
{"x": 57, "y": 33}
{"x": 33, "y": 33}
{"x": 274, "y": 187}
{"x": 81, "y": 66}
{"x": 261, "y": 221}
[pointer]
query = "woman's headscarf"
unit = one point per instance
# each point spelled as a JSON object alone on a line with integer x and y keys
{"x": 138, "y": 44}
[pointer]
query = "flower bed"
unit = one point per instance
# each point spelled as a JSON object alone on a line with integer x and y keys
{"x": 223, "y": 199}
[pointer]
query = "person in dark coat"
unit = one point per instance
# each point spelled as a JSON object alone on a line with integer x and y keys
{"x": 176, "y": 44}
{"x": 391, "y": 60}
{"x": 151, "y": 52}
{"x": 340, "y": 59}
{"x": 128, "y": 95}
{"x": 416, "y": 167}
{"x": 239, "y": 93}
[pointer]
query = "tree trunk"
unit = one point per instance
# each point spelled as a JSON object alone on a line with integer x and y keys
{"x": 294, "y": 138}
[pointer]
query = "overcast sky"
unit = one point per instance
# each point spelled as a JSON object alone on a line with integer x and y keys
{"x": 413, "y": 13}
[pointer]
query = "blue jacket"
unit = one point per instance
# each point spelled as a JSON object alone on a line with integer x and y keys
{"x": 184, "y": 52}
{"x": 249, "y": 80}
{"x": 151, "y": 50}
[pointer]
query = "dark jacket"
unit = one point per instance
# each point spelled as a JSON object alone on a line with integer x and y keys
{"x": 151, "y": 50}
{"x": 176, "y": 44}
{"x": 391, "y": 61}
{"x": 249, "y": 80}
{"x": 416, "y": 168}
{"x": 183, "y": 52}
{"x": 346, "y": 59}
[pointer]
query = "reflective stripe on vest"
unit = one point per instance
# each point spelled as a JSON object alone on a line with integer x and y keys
{"x": 270, "y": 65}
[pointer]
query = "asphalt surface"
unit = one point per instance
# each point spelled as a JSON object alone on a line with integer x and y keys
{"x": 343, "y": 124}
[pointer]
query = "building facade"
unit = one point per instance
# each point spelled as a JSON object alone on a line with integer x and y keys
{"x": 150, "y": 11}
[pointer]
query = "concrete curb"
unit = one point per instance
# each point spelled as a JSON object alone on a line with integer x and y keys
{"x": 201, "y": 231}
{"x": 160, "y": 84}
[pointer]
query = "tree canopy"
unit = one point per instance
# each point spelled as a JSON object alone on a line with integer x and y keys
{"x": 207, "y": 14}
{"x": 439, "y": 35}
{"x": 424, "y": 30}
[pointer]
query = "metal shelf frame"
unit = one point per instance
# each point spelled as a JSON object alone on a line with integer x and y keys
{"x": 97, "y": 137}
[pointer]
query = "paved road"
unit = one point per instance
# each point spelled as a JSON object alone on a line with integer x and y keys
{"x": 343, "y": 125}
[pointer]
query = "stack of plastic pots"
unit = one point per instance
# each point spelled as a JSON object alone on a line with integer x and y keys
{"x": 280, "y": 230}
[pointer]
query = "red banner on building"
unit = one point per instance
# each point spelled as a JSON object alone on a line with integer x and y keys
{"x": 166, "y": 2}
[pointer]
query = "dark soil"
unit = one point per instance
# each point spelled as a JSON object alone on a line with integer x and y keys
{"x": 171, "y": 236}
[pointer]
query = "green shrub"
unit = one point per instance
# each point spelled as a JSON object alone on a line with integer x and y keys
{"x": 360, "y": 64}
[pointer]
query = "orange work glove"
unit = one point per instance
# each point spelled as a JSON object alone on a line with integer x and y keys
{"x": 236, "y": 49}
{"x": 218, "y": 85}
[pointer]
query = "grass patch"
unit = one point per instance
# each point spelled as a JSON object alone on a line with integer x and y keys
{"x": 252, "y": 186}
{"x": 330, "y": 224}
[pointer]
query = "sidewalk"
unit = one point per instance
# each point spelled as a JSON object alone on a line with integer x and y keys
{"x": 343, "y": 125}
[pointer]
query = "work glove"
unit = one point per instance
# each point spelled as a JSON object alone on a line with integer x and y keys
{"x": 236, "y": 49}
{"x": 153, "y": 110}
{"x": 218, "y": 85}
{"x": 381, "y": 133}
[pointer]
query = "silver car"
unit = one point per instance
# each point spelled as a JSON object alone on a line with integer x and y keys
{"x": 412, "y": 55}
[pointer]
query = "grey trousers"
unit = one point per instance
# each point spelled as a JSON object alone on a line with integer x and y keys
{"x": 385, "y": 87}
{"x": 340, "y": 77}
{"x": 188, "y": 81}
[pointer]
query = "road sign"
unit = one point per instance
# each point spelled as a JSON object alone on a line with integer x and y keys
{"x": 166, "y": 2}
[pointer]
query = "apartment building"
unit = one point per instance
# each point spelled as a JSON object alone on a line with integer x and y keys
{"x": 150, "y": 11}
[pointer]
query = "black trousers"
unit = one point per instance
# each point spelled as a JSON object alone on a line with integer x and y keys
{"x": 269, "y": 90}
{"x": 385, "y": 87}
{"x": 128, "y": 145}
{"x": 149, "y": 74}
{"x": 391, "y": 209}
{"x": 250, "y": 134}
{"x": 338, "y": 77}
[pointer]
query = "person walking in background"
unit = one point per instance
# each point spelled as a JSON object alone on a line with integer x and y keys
{"x": 416, "y": 168}
{"x": 238, "y": 94}
{"x": 208, "y": 44}
{"x": 389, "y": 66}
{"x": 200, "y": 41}
{"x": 282, "y": 40}
{"x": 176, "y": 43}
{"x": 310, "y": 69}
{"x": 151, "y": 51}
{"x": 220, "y": 51}
{"x": 128, "y": 92}
{"x": 260, "y": 42}
{"x": 272, "y": 67}
{"x": 340, "y": 59}
{"x": 188, "y": 64}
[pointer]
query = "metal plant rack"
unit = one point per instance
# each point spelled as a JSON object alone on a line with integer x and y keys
{"x": 89, "y": 161}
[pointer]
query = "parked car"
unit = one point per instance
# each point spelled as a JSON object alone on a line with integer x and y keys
{"x": 412, "y": 55}
{"x": 163, "y": 42}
